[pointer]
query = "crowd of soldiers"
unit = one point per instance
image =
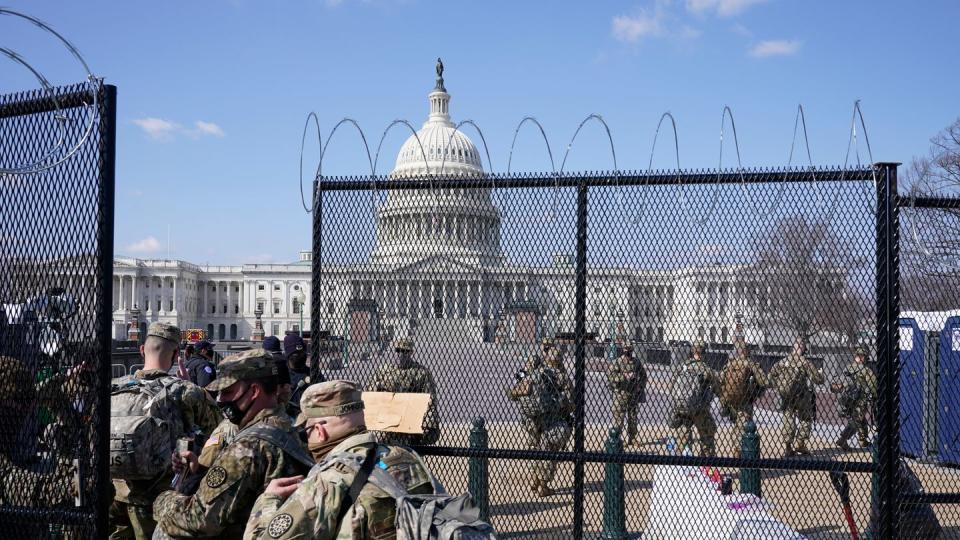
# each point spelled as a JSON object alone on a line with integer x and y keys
{"x": 544, "y": 395}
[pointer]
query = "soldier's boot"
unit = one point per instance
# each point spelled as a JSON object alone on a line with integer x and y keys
{"x": 789, "y": 451}
{"x": 844, "y": 436}
{"x": 864, "y": 442}
{"x": 545, "y": 490}
{"x": 801, "y": 449}
{"x": 631, "y": 437}
{"x": 535, "y": 483}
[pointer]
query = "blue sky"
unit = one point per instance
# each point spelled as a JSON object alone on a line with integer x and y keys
{"x": 213, "y": 95}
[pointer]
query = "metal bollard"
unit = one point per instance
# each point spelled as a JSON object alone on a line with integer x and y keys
{"x": 614, "y": 512}
{"x": 477, "y": 477}
{"x": 750, "y": 449}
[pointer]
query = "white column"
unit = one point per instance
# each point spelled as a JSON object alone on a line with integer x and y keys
{"x": 396, "y": 299}
{"x": 119, "y": 293}
{"x": 176, "y": 301}
{"x": 419, "y": 299}
{"x": 456, "y": 299}
{"x": 133, "y": 291}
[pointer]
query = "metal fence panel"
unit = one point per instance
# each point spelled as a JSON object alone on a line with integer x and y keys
{"x": 56, "y": 249}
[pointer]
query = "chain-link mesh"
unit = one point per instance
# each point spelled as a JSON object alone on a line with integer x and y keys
{"x": 715, "y": 364}
{"x": 56, "y": 244}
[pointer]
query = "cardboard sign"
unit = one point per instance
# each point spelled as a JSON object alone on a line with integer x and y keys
{"x": 395, "y": 412}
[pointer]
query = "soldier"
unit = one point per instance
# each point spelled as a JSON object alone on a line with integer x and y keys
{"x": 545, "y": 396}
{"x": 627, "y": 379}
{"x": 794, "y": 377}
{"x": 319, "y": 506}
{"x": 191, "y": 411}
{"x": 265, "y": 447}
{"x": 694, "y": 384}
{"x": 405, "y": 375}
{"x": 742, "y": 382}
{"x": 858, "y": 393}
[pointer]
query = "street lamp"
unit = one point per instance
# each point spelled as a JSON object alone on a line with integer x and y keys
{"x": 301, "y": 298}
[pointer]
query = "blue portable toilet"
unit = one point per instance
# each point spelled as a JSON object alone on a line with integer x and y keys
{"x": 911, "y": 388}
{"x": 949, "y": 399}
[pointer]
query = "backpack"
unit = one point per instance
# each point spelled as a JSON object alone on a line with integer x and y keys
{"x": 849, "y": 399}
{"x": 738, "y": 386}
{"x": 418, "y": 517}
{"x": 546, "y": 395}
{"x": 145, "y": 423}
{"x": 691, "y": 392}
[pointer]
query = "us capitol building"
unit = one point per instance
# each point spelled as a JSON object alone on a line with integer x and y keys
{"x": 436, "y": 270}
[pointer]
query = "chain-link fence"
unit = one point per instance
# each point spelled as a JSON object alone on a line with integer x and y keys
{"x": 720, "y": 348}
{"x": 56, "y": 248}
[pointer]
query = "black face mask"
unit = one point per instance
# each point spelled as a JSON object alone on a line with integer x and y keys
{"x": 231, "y": 411}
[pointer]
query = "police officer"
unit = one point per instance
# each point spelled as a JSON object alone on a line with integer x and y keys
{"x": 858, "y": 393}
{"x": 200, "y": 367}
{"x": 794, "y": 377}
{"x": 627, "y": 379}
{"x": 265, "y": 447}
{"x": 404, "y": 375}
{"x": 332, "y": 415}
{"x": 132, "y": 509}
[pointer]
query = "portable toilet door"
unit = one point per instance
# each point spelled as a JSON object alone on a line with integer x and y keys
{"x": 911, "y": 388}
{"x": 949, "y": 409}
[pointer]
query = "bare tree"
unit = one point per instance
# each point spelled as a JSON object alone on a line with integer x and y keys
{"x": 930, "y": 238}
{"x": 803, "y": 268}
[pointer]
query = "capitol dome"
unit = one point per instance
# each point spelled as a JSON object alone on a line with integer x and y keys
{"x": 458, "y": 224}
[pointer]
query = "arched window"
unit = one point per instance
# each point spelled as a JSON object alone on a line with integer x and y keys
{"x": 233, "y": 331}
{"x": 209, "y": 331}
{"x": 222, "y": 331}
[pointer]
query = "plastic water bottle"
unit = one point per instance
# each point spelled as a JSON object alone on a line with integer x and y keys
{"x": 671, "y": 445}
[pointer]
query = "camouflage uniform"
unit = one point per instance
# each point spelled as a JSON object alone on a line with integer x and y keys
{"x": 550, "y": 432}
{"x": 627, "y": 379}
{"x": 312, "y": 511}
{"x": 220, "y": 438}
{"x": 864, "y": 381}
{"x": 408, "y": 376}
{"x": 800, "y": 409}
{"x": 131, "y": 514}
{"x": 738, "y": 405}
{"x": 683, "y": 420}
{"x": 238, "y": 475}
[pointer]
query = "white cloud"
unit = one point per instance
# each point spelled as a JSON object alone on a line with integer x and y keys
{"x": 632, "y": 29}
{"x": 722, "y": 8}
{"x": 145, "y": 246}
{"x": 208, "y": 128}
{"x": 741, "y": 30}
{"x": 776, "y": 47}
{"x": 157, "y": 128}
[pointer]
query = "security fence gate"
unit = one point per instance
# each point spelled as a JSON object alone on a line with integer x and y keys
{"x": 478, "y": 269}
{"x": 56, "y": 260}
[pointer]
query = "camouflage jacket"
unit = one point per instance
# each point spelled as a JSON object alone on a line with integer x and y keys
{"x": 238, "y": 475}
{"x": 20, "y": 486}
{"x": 627, "y": 375}
{"x": 312, "y": 511}
{"x": 711, "y": 377}
{"x": 199, "y": 411}
{"x": 863, "y": 377}
{"x": 414, "y": 379}
{"x": 221, "y": 437}
{"x": 793, "y": 363}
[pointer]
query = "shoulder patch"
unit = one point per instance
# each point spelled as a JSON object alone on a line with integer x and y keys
{"x": 279, "y": 525}
{"x": 208, "y": 369}
{"x": 214, "y": 439}
{"x": 216, "y": 477}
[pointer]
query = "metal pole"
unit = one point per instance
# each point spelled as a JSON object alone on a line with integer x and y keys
{"x": 477, "y": 474}
{"x": 316, "y": 280}
{"x": 108, "y": 156}
{"x": 580, "y": 332}
{"x": 750, "y": 450}
{"x": 614, "y": 506}
{"x": 888, "y": 354}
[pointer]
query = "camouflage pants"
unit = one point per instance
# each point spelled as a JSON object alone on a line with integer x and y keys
{"x": 683, "y": 423}
{"x": 857, "y": 424}
{"x": 553, "y": 438}
{"x": 131, "y": 521}
{"x": 625, "y": 410}
{"x": 798, "y": 419}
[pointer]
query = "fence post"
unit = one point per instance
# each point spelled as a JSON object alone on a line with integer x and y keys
{"x": 750, "y": 449}
{"x": 888, "y": 356}
{"x": 614, "y": 510}
{"x": 477, "y": 477}
{"x": 579, "y": 370}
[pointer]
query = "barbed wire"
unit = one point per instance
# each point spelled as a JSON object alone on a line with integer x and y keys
{"x": 700, "y": 218}
{"x": 61, "y": 151}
